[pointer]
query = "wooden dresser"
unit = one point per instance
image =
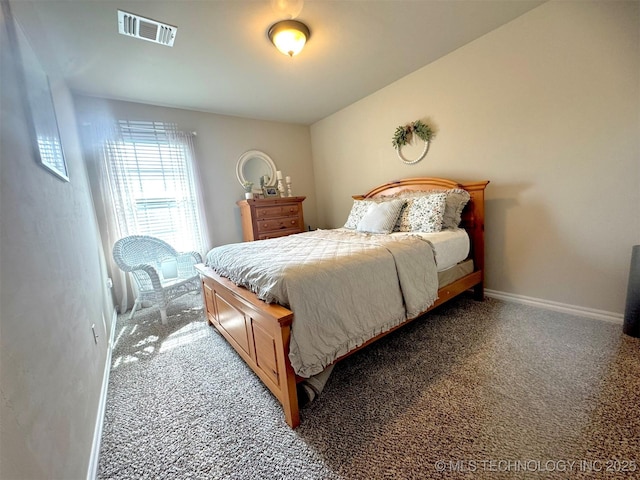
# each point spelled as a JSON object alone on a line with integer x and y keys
{"x": 264, "y": 218}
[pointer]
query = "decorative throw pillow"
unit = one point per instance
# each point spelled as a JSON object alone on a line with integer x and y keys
{"x": 358, "y": 210}
{"x": 423, "y": 214}
{"x": 381, "y": 217}
{"x": 456, "y": 200}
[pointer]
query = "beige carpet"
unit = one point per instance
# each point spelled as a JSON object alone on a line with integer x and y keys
{"x": 477, "y": 390}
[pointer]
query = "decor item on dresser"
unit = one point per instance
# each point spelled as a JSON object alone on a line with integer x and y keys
{"x": 405, "y": 133}
{"x": 287, "y": 180}
{"x": 270, "y": 192}
{"x": 256, "y": 167}
{"x": 271, "y": 217}
{"x": 293, "y": 306}
{"x": 264, "y": 181}
{"x": 280, "y": 184}
{"x": 248, "y": 189}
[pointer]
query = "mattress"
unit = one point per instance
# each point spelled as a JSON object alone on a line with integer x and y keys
{"x": 451, "y": 246}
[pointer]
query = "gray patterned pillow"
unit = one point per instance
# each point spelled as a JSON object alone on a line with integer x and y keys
{"x": 381, "y": 217}
{"x": 457, "y": 198}
{"x": 358, "y": 210}
{"x": 423, "y": 214}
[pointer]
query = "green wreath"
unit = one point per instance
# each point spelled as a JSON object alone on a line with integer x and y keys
{"x": 403, "y": 134}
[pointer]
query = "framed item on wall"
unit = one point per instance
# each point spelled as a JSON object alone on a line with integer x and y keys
{"x": 38, "y": 102}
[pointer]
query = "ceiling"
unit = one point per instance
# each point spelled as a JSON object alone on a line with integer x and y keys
{"x": 223, "y": 62}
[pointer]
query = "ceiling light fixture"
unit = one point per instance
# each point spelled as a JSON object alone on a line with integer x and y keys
{"x": 289, "y": 36}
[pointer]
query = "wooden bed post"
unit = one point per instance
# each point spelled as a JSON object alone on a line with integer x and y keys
{"x": 473, "y": 222}
{"x": 289, "y": 391}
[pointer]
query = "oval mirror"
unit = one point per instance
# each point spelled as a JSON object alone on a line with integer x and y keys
{"x": 253, "y": 165}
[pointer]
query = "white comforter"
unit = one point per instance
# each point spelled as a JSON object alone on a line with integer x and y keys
{"x": 344, "y": 287}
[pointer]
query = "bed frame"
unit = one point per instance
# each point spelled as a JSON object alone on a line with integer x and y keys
{"x": 260, "y": 331}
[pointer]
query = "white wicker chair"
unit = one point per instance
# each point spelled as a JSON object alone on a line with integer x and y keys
{"x": 142, "y": 256}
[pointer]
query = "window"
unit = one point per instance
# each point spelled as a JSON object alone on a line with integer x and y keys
{"x": 153, "y": 183}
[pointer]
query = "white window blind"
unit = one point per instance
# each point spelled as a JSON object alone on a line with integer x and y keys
{"x": 153, "y": 183}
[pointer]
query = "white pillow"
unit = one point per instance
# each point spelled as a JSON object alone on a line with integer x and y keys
{"x": 423, "y": 214}
{"x": 380, "y": 217}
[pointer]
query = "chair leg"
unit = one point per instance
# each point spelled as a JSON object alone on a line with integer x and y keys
{"x": 133, "y": 310}
{"x": 163, "y": 315}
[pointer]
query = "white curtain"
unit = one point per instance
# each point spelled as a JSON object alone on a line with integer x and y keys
{"x": 96, "y": 138}
{"x": 115, "y": 151}
{"x": 188, "y": 140}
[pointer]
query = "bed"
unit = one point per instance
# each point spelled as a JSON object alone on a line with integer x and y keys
{"x": 244, "y": 291}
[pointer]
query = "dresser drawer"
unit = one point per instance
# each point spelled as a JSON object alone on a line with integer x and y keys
{"x": 277, "y": 211}
{"x": 279, "y": 224}
{"x": 278, "y": 233}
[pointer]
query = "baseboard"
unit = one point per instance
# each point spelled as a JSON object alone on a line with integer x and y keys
{"x": 97, "y": 434}
{"x": 557, "y": 306}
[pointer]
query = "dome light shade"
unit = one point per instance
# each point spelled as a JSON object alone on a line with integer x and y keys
{"x": 289, "y": 36}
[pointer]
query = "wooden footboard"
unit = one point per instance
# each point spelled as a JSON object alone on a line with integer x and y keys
{"x": 260, "y": 331}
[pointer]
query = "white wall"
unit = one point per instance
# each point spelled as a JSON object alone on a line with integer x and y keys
{"x": 52, "y": 289}
{"x": 219, "y": 143}
{"x": 546, "y": 108}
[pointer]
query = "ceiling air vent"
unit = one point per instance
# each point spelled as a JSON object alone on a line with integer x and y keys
{"x": 136, "y": 26}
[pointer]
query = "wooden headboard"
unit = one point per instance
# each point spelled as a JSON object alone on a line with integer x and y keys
{"x": 472, "y": 215}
